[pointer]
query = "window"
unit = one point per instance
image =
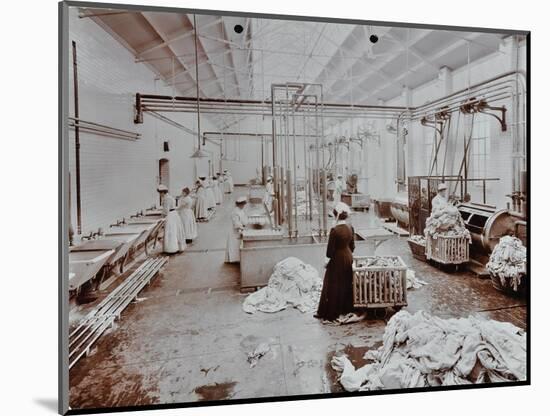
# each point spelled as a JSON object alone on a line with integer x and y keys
{"x": 480, "y": 149}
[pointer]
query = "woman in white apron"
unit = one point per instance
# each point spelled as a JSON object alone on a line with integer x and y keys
{"x": 239, "y": 221}
{"x": 216, "y": 188}
{"x": 201, "y": 208}
{"x": 228, "y": 180}
{"x": 440, "y": 201}
{"x": 338, "y": 189}
{"x": 221, "y": 184}
{"x": 187, "y": 216}
{"x": 210, "y": 199}
{"x": 174, "y": 234}
{"x": 269, "y": 193}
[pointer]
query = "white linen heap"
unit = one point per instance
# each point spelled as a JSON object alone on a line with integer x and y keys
{"x": 424, "y": 351}
{"x": 292, "y": 284}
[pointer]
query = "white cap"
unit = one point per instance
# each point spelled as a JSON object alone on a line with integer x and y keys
{"x": 342, "y": 207}
{"x": 162, "y": 188}
{"x": 241, "y": 200}
{"x": 441, "y": 187}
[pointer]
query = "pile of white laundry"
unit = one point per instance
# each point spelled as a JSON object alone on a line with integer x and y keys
{"x": 508, "y": 261}
{"x": 380, "y": 261}
{"x": 424, "y": 351}
{"x": 418, "y": 239}
{"x": 446, "y": 222}
{"x": 292, "y": 284}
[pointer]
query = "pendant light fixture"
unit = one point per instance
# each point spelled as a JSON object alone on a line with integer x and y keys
{"x": 199, "y": 153}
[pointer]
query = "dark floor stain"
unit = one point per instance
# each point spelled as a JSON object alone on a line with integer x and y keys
{"x": 114, "y": 388}
{"x": 355, "y": 355}
{"x": 216, "y": 391}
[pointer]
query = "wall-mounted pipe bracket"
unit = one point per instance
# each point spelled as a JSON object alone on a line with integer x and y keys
{"x": 473, "y": 106}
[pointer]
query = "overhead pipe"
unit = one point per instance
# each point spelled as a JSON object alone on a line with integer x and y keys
{"x": 80, "y": 124}
{"x": 328, "y": 107}
{"x": 463, "y": 91}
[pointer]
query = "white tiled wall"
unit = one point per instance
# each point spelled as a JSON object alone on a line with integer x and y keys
{"x": 119, "y": 177}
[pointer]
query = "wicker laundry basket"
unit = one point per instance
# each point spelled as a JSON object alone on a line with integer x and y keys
{"x": 418, "y": 250}
{"x": 448, "y": 249}
{"x": 379, "y": 287}
{"x": 508, "y": 288}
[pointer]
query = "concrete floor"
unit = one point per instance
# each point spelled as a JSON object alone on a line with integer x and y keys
{"x": 186, "y": 339}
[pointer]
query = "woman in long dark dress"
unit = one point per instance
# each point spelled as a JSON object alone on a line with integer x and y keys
{"x": 336, "y": 295}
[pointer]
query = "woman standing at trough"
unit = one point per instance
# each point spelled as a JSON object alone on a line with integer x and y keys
{"x": 174, "y": 235}
{"x": 201, "y": 208}
{"x": 187, "y": 216}
{"x": 238, "y": 223}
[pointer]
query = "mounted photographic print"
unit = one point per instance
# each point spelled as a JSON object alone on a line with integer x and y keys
{"x": 264, "y": 207}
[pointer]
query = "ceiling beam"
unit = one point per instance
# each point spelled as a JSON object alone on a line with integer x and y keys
{"x": 346, "y": 65}
{"x": 205, "y": 49}
{"x": 450, "y": 48}
{"x": 379, "y": 68}
{"x": 148, "y": 16}
{"x": 225, "y": 31}
{"x": 408, "y": 46}
{"x": 185, "y": 33}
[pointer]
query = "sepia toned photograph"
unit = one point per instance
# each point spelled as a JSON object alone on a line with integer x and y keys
{"x": 261, "y": 207}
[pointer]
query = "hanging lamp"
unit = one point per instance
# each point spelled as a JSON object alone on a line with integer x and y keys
{"x": 199, "y": 153}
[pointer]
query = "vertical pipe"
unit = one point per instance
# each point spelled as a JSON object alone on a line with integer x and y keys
{"x": 306, "y": 172}
{"x": 287, "y": 164}
{"x": 197, "y": 82}
{"x": 289, "y": 184}
{"x": 317, "y": 169}
{"x": 275, "y": 199}
{"x": 77, "y": 143}
{"x": 282, "y": 200}
{"x": 274, "y": 157}
{"x": 262, "y": 157}
{"x": 295, "y": 206}
{"x": 325, "y": 213}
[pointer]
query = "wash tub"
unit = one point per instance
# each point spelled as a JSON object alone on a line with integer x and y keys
{"x": 259, "y": 256}
{"x": 127, "y": 242}
{"x": 144, "y": 231}
{"x": 154, "y": 213}
{"x": 84, "y": 265}
{"x": 146, "y": 219}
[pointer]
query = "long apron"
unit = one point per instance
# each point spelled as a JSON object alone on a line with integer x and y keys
{"x": 201, "y": 207}
{"x": 233, "y": 247}
{"x": 174, "y": 234}
{"x": 210, "y": 198}
{"x": 218, "y": 196}
{"x": 188, "y": 219}
{"x": 233, "y": 244}
{"x": 227, "y": 185}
